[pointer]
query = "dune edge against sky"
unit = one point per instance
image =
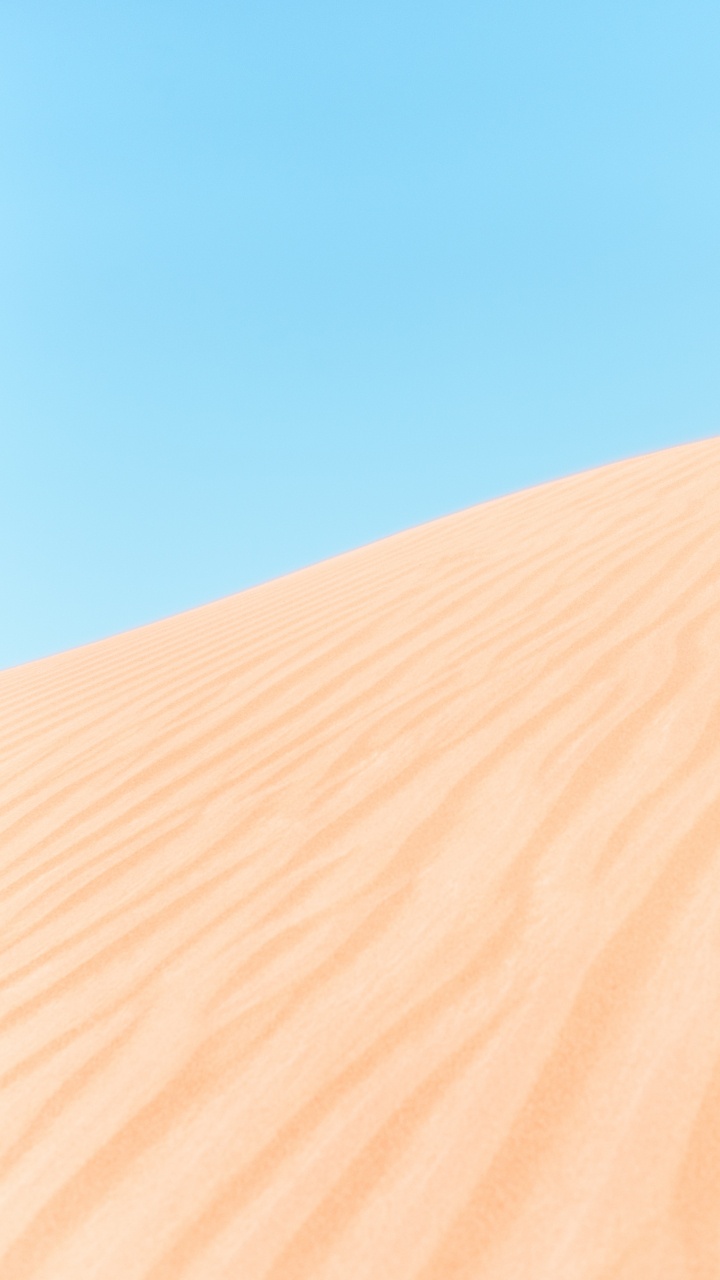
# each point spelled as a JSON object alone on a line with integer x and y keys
{"x": 366, "y": 923}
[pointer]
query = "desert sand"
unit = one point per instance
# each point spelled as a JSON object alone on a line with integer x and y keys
{"x": 366, "y": 925}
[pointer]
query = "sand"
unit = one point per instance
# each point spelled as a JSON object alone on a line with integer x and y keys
{"x": 367, "y": 924}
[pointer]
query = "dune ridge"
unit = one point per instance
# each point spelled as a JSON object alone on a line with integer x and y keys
{"x": 367, "y": 923}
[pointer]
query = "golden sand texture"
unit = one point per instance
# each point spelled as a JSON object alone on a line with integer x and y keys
{"x": 366, "y": 925}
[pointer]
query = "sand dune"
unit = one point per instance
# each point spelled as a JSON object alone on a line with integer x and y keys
{"x": 367, "y": 924}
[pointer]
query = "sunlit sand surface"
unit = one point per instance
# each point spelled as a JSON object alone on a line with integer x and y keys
{"x": 366, "y": 925}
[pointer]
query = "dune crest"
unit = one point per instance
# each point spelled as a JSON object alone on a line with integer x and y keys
{"x": 367, "y": 924}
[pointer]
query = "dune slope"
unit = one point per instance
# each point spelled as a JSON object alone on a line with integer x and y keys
{"x": 367, "y": 924}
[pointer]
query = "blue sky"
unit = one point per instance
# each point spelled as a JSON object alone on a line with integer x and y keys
{"x": 280, "y": 279}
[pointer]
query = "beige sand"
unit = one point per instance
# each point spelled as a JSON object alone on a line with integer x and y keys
{"x": 367, "y": 924}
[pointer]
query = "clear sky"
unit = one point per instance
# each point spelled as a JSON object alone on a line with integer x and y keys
{"x": 278, "y": 279}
